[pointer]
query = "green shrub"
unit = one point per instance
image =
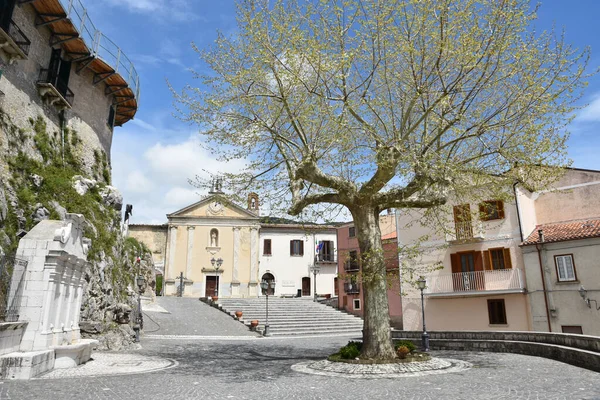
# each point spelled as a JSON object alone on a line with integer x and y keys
{"x": 406, "y": 343}
{"x": 351, "y": 350}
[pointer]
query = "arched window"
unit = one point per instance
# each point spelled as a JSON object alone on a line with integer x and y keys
{"x": 214, "y": 238}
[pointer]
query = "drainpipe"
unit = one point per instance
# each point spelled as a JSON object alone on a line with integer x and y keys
{"x": 538, "y": 247}
{"x": 518, "y": 210}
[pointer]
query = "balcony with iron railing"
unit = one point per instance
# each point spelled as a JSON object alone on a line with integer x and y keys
{"x": 55, "y": 89}
{"x": 476, "y": 283}
{"x": 351, "y": 288}
{"x": 465, "y": 231}
{"x": 14, "y": 42}
{"x": 351, "y": 266}
{"x": 325, "y": 258}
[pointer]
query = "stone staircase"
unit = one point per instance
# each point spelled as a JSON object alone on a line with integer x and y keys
{"x": 293, "y": 316}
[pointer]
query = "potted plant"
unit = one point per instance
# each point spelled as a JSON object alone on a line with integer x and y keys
{"x": 238, "y": 314}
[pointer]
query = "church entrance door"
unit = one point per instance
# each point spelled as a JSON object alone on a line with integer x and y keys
{"x": 306, "y": 286}
{"x": 212, "y": 286}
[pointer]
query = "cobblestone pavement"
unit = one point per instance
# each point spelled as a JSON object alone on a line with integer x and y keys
{"x": 188, "y": 316}
{"x": 259, "y": 369}
{"x": 214, "y": 357}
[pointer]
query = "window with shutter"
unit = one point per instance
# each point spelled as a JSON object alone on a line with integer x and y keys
{"x": 491, "y": 209}
{"x": 565, "y": 268}
{"x": 497, "y": 312}
{"x": 296, "y": 248}
{"x": 267, "y": 247}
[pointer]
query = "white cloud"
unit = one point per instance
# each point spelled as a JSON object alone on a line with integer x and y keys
{"x": 176, "y": 10}
{"x": 592, "y": 112}
{"x": 152, "y": 165}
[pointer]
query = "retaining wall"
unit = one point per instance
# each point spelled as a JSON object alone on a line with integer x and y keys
{"x": 579, "y": 350}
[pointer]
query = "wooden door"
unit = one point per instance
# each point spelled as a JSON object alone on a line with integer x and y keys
{"x": 306, "y": 286}
{"x": 212, "y": 285}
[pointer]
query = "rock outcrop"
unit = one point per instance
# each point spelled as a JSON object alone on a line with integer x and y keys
{"x": 43, "y": 176}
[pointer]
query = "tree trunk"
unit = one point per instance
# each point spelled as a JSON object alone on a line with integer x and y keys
{"x": 377, "y": 342}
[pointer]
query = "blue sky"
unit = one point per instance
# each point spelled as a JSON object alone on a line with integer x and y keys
{"x": 154, "y": 155}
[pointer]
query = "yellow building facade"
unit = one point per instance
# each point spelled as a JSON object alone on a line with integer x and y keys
{"x": 212, "y": 249}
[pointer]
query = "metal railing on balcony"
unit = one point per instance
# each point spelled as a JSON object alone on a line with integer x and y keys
{"x": 101, "y": 46}
{"x": 477, "y": 281}
{"x": 351, "y": 266}
{"x": 351, "y": 288}
{"x": 12, "y": 274}
{"x": 51, "y": 77}
{"x": 17, "y": 35}
{"x": 326, "y": 258}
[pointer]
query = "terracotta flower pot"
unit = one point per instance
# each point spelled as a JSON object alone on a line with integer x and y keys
{"x": 253, "y": 323}
{"x": 238, "y": 314}
{"x": 215, "y": 298}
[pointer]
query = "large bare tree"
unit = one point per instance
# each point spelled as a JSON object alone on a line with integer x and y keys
{"x": 377, "y": 104}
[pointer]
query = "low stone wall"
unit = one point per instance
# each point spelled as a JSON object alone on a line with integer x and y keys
{"x": 579, "y": 350}
{"x": 10, "y": 336}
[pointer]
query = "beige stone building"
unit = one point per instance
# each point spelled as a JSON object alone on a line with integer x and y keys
{"x": 561, "y": 253}
{"x": 210, "y": 246}
{"x": 490, "y": 269}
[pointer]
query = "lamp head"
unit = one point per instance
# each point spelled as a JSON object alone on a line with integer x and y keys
{"x": 264, "y": 285}
{"x": 140, "y": 280}
{"x": 582, "y": 292}
{"x": 421, "y": 283}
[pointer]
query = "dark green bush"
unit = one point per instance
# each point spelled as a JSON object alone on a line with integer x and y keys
{"x": 351, "y": 350}
{"x": 407, "y": 343}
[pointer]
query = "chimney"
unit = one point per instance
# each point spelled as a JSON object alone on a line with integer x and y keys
{"x": 253, "y": 205}
{"x": 541, "y": 235}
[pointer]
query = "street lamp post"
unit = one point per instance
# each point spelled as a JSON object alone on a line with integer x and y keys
{"x": 266, "y": 286}
{"x": 216, "y": 264}
{"x": 140, "y": 281}
{"x": 421, "y": 284}
{"x": 315, "y": 270}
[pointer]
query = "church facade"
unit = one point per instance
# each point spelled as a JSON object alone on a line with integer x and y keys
{"x": 215, "y": 247}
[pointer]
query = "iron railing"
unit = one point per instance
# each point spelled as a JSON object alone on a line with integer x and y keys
{"x": 101, "y": 46}
{"x": 325, "y": 258}
{"x": 476, "y": 281}
{"x": 351, "y": 288}
{"x": 12, "y": 281}
{"x": 351, "y": 266}
{"x": 17, "y": 35}
{"x": 51, "y": 77}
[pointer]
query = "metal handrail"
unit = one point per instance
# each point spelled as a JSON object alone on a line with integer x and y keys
{"x": 502, "y": 279}
{"x": 19, "y": 37}
{"x": 350, "y": 266}
{"x": 325, "y": 258}
{"x": 351, "y": 288}
{"x": 101, "y": 46}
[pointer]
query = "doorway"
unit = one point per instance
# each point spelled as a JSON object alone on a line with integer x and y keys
{"x": 305, "y": 286}
{"x": 212, "y": 286}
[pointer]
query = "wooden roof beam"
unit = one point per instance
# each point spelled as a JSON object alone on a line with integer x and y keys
{"x": 125, "y": 100}
{"x": 102, "y": 76}
{"x": 114, "y": 89}
{"x": 82, "y": 56}
{"x": 84, "y": 64}
{"x": 42, "y": 21}
{"x": 67, "y": 37}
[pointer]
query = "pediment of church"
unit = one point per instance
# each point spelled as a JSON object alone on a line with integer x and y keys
{"x": 214, "y": 206}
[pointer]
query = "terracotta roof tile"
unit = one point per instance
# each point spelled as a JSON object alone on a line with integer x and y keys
{"x": 562, "y": 231}
{"x": 391, "y": 235}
